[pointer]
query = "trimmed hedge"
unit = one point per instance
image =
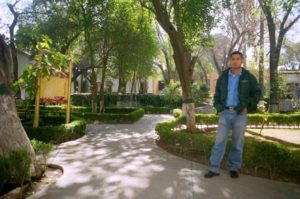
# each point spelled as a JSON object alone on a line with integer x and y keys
{"x": 54, "y": 108}
{"x": 114, "y": 117}
{"x": 157, "y": 110}
{"x": 56, "y": 133}
{"x": 265, "y": 159}
{"x": 254, "y": 119}
{"x": 84, "y": 99}
{"x": 119, "y": 110}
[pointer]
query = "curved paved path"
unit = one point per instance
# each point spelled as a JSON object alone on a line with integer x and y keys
{"x": 122, "y": 161}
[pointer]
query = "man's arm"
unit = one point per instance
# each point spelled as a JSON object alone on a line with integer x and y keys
{"x": 217, "y": 96}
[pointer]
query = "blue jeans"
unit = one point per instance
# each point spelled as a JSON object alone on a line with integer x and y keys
{"x": 229, "y": 119}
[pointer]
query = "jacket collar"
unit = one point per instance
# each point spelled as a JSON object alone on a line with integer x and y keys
{"x": 243, "y": 71}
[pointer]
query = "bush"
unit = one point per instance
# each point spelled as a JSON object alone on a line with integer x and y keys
{"x": 84, "y": 99}
{"x": 280, "y": 161}
{"x": 59, "y": 133}
{"x": 42, "y": 150}
{"x": 121, "y": 110}
{"x": 5, "y": 172}
{"x": 200, "y": 93}
{"x": 255, "y": 119}
{"x": 114, "y": 117}
{"x": 177, "y": 112}
{"x": 156, "y": 110}
{"x": 15, "y": 168}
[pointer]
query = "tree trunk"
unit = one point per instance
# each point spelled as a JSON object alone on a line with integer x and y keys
{"x": 132, "y": 88}
{"x": 103, "y": 75}
{"x": 204, "y": 72}
{"x": 261, "y": 53}
{"x": 143, "y": 86}
{"x": 274, "y": 95}
{"x": 12, "y": 133}
{"x": 184, "y": 63}
{"x": 94, "y": 89}
{"x": 12, "y": 43}
{"x": 121, "y": 88}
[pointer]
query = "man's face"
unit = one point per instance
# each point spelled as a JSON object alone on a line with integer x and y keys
{"x": 236, "y": 61}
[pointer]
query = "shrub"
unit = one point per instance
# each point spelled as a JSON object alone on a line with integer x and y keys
{"x": 148, "y": 99}
{"x": 200, "y": 93}
{"x": 255, "y": 119}
{"x": 119, "y": 110}
{"x": 130, "y": 117}
{"x": 5, "y": 172}
{"x": 279, "y": 160}
{"x": 15, "y": 168}
{"x": 42, "y": 149}
{"x": 59, "y": 133}
{"x": 156, "y": 110}
{"x": 177, "y": 112}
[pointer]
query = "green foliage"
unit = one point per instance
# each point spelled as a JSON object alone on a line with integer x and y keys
{"x": 281, "y": 161}
{"x": 41, "y": 147}
{"x": 255, "y": 119}
{"x": 134, "y": 56}
{"x": 177, "y": 112}
{"x": 172, "y": 91}
{"x": 20, "y": 165}
{"x": 57, "y": 133}
{"x": 123, "y": 110}
{"x": 15, "y": 168}
{"x": 200, "y": 92}
{"x": 280, "y": 84}
{"x": 143, "y": 100}
{"x": 118, "y": 116}
{"x": 156, "y": 110}
{"x": 5, "y": 172}
{"x": 193, "y": 19}
{"x": 46, "y": 61}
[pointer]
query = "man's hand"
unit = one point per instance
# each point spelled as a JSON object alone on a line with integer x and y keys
{"x": 245, "y": 111}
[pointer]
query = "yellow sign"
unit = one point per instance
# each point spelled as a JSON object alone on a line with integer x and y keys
{"x": 54, "y": 90}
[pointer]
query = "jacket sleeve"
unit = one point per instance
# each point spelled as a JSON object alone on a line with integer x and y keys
{"x": 255, "y": 94}
{"x": 217, "y": 97}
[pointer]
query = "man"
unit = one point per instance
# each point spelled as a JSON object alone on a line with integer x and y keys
{"x": 237, "y": 93}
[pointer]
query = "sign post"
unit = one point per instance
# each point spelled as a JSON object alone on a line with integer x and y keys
{"x": 69, "y": 93}
{"x": 37, "y": 99}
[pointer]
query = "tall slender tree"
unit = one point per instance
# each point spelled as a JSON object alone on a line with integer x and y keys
{"x": 277, "y": 31}
{"x": 186, "y": 23}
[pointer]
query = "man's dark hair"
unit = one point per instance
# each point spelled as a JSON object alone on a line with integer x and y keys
{"x": 237, "y": 53}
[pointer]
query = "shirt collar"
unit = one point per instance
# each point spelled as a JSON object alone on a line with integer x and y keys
{"x": 238, "y": 74}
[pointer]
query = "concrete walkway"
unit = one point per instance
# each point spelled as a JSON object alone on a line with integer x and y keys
{"x": 122, "y": 161}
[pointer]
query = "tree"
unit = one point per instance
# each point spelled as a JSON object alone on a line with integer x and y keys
{"x": 271, "y": 9}
{"x": 13, "y": 135}
{"x": 164, "y": 61}
{"x": 137, "y": 48}
{"x": 239, "y": 25}
{"x": 186, "y": 23}
{"x": 12, "y": 37}
{"x": 52, "y": 18}
{"x": 261, "y": 65}
{"x": 291, "y": 57}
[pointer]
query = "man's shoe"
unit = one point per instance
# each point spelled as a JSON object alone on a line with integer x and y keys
{"x": 211, "y": 174}
{"x": 234, "y": 174}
